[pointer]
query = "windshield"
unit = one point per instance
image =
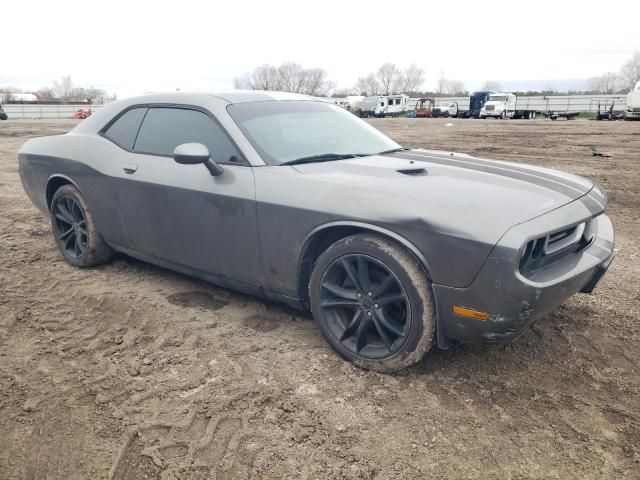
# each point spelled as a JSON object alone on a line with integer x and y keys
{"x": 497, "y": 98}
{"x": 286, "y": 130}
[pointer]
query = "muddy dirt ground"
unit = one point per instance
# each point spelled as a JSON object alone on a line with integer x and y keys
{"x": 130, "y": 371}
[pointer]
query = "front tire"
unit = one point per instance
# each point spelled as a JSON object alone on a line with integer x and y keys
{"x": 372, "y": 301}
{"x": 75, "y": 231}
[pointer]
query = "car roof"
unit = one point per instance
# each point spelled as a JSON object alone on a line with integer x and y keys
{"x": 213, "y": 101}
{"x": 228, "y": 96}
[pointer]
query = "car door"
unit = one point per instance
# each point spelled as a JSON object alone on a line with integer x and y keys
{"x": 183, "y": 214}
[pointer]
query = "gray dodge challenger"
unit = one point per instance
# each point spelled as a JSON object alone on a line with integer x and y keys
{"x": 297, "y": 200}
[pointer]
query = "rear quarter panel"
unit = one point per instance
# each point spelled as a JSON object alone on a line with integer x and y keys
{"x": 90, "y": 162}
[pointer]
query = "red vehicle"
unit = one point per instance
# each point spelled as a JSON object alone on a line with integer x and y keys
{"x": 424, "y": 107}
{"x": 81, "y": 114}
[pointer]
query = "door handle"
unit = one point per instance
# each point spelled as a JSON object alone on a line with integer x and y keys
{"x": 130, "y": 168}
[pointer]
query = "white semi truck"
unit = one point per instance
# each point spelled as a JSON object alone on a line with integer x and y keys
{"x": 508, "y": 105}
{"x": 499, "y": 105}
{"x": 632, "y": 109}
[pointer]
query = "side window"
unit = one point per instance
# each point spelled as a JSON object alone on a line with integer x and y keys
{"x": 164, "y": 129}
{"x": 124, "y": 130}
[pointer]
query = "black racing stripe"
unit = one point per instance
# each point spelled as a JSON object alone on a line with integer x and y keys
{"x": 550, "y": 181}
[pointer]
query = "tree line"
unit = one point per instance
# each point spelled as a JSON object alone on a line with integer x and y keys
{"x": 389, "y": 79}
{"x": 618, "y": 82}
{"x": 61, "y": 90}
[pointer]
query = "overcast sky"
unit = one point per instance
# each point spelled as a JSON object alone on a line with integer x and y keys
{"x": 131, "y": 47}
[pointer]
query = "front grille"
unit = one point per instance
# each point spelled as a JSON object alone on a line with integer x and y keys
{"x": 547, "y": 249}
{"x": 556, "y": 237}
{"x": 491, "y": 108}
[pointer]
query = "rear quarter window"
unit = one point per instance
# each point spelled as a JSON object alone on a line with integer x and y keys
{"x": 124, "y": 130}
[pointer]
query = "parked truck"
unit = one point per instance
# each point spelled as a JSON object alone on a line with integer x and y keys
{"x": 449, "y": 109}
{"x": 632, "y": 109}
{"x": 476, "y": 102}
{"x": 505, "y": 105}
{"x": 3, "y": 115}
{"x": 508, "y": 105}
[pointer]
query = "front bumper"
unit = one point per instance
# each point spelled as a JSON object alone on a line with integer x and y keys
{"x": 514, "y": 301}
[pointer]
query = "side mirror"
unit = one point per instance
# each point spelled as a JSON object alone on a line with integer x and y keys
{"x": 195, "y": 153}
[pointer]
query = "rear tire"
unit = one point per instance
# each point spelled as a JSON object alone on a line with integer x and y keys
{"x": 75, "y": 231}
{"x": 373, "y": 303}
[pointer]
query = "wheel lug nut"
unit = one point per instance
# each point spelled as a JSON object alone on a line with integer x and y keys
{"x": 359, "y": 295}
{"x": 370, "y": 294}
{"x": 359, "y": 307}
{"x": 375, "y": 305}
{"x": 368, "y": 314}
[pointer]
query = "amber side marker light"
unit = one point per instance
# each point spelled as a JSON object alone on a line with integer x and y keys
{"x": 470, "y": 313}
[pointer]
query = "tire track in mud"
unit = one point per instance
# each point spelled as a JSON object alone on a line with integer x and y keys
{"x": 60, "y": 445}
{"x": 218, "y": 445}
{"x": 132, "y": 465}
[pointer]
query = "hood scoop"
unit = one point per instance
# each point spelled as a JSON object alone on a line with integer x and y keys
{"x": 416, "y": 172}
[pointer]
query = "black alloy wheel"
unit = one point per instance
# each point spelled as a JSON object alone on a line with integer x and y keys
{"x": 70, "y": 226}
{"x": 366, "y": 306}
{"x": 74, "y": 229}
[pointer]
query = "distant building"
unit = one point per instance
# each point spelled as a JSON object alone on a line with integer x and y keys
{"x": 23, "y": 97}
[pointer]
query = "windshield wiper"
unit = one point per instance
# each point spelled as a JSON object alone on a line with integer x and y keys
{"x": 325, "y": 157}
{"x": 393, "y": 150}
{"x": 328, "y": 157}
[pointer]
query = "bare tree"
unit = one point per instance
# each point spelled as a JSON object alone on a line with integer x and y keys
{"x": 265, "y": 77}
{"x": 45, "y": 94}
{"x": 291, "y": 76}
{"x": 288, "y": 77}
{"x": 630, "y": 72}
{"x": 492, "y": 85}
{"x": 94, "y": 95}
{"x": 456, "y": 87}
{"x": 313, "y": 81}
{"x": 606, "y": 83}
{"x": 411, "y": 79}
{"x": 7, "y": 94}
{"x": 345, "y": 92}
{"x": 449, "y": 87}
{"x": 243, "y": 82}
{"x": 388, "y": 75}
{"x": 63, "y": 88}
{"x": 368, "y": 85}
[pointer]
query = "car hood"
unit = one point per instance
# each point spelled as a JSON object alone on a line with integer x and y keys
{"x": 492, "y": 193}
